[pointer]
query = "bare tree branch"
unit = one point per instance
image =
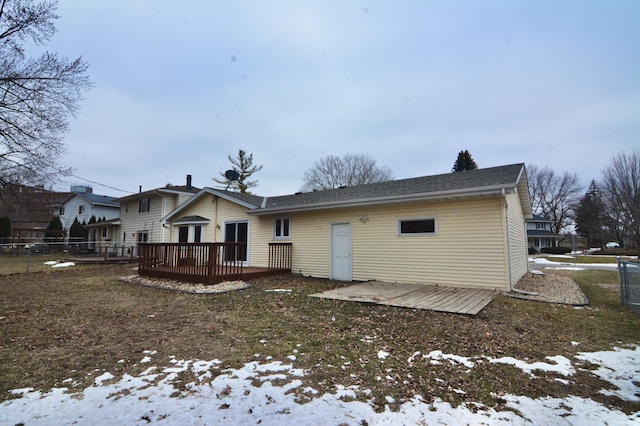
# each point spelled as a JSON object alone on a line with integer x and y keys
{"x": 352, "y": 169}
{"x": 37, "y": 95}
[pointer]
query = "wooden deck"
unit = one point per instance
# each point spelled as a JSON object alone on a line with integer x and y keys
{"x": 468, "y": 301}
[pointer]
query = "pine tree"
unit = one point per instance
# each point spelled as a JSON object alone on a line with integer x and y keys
{"x": 77, "y": 230}
{"x": 5, "y": 228}
{"x": 464, "y": 162}
{"x": 590, "y": 215}
{"x": 243, "y": 165}
{"x": 54, "y": 225}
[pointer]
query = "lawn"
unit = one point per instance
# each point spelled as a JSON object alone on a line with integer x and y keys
{"x": 67, "y": 326}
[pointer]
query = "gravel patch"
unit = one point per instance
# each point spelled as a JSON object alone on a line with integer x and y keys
{"x": 551, "y": 287}
{"x": 174, "y": 285}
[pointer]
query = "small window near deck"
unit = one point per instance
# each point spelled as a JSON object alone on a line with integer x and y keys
{"x": 281, "y": 229}
{"x": 197, "y": 234}
{"x": 417, "y": 227}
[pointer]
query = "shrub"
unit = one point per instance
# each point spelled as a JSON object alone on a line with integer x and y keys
{"x": 555, "y": 250}
{"x": 532, "y": 250}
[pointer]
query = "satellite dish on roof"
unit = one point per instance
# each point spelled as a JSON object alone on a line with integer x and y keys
{"x": 232, "y": 175}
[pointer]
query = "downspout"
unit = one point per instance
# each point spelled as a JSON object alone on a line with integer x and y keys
{"x": 506, "y": 219}
{"x": 215, "y": 218}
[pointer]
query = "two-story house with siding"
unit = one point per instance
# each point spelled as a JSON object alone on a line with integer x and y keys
{"x": 140, "y": 214}
{"x": 539, "y": 233}
{"x": 82, "y": 203}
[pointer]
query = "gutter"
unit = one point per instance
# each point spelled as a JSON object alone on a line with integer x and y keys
{"x": 434, "y": 196}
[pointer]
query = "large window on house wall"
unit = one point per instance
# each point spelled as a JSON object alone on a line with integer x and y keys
{"x": 197, "y": 233}
{"x": 104, "y": 232}
{"x": 144, "y": 205}
{"x": 61, "y": 211}
{"x": 80, "y": 209}
{"x": 281, "y": 229}
{"x": 426, "y": 226}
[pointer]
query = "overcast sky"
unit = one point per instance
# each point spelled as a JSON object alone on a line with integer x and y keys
{"x": 179, "y": 86}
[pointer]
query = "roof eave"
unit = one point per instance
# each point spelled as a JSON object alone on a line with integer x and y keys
{"x": 404, "y": 198}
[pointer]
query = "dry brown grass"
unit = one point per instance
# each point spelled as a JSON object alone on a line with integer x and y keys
{"x": 75, "y": 324}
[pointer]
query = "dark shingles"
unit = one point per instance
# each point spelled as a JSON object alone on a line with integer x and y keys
{"x": 468, "y": 180}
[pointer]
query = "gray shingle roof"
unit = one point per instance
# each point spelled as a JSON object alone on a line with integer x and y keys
{"x": 494, "y": 177}
{"x": 468, "y": 183}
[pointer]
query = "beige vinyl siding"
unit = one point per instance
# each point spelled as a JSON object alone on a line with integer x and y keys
{"x": 218, "y": 211}
{"x": 517, "y": 238}
{"x": 468, "y": 249}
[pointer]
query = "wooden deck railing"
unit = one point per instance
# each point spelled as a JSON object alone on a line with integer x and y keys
{"x": 280, "y": 256}
{"x": 207, "y": 263}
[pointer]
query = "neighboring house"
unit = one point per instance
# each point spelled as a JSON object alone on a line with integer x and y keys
{"x": 539, "y": 233}
{"x": 82, "y": 204}
{"x": 29, "y": 207}
{"x": 458, "y": 229}
{"x": 140, "y": 214}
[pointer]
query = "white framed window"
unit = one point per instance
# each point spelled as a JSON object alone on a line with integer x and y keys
{"x": 540, "y": 225}
{"x": 281, "y": 228}
{"x": 80, "y": 209}
{"x": 61, "y": 211}
{"x": 421, "y": 226}
{"x": 104, "y": 232}
{"x": 144, "y": 205}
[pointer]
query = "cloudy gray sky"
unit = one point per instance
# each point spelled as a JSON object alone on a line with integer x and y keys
{"x": 179, "y": 86}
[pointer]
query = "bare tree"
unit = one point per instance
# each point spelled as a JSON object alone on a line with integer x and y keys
{"x": 243, "y": 166}
{"x": 37, "y": 95}
{"x": 352, "y": 169}
{"x": 553, "y": 196}
{"x": 621, "y": 185}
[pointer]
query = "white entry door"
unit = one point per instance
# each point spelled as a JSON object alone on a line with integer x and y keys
{"x": 341, "y": 251}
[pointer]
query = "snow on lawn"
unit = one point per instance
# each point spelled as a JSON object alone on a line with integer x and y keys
{"x": 58, "y": 264}
{"x": 229, "y": 397}
{"x": 569, "y": 266}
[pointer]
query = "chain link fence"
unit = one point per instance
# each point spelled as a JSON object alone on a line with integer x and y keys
{"x": 22, "y": 257}
{"x": 629, "y": 278}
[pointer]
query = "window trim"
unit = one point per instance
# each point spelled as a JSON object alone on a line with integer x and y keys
{"x": 81, "y": 209}
{"x": 282, "y": 228}
{"x": 417, "y": 234}
{"x": 148, "y": 206}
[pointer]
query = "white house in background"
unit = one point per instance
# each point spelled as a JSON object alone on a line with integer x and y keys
{"x": 140, "y": 214}
{"x": 82, "y": 203}
{"x": 539, "y": 233}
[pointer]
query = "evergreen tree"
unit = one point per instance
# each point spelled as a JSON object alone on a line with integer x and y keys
{"x": 590, "y": 215}
{"x": 464, "y": 162}
{"x": 243, "y": 165}
{"x": 77, "y": 231}
{"x": 5, "y": 228}
{"x": 54, "y": 225}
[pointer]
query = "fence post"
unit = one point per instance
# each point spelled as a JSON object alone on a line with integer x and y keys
{"x": 623, "y": 278}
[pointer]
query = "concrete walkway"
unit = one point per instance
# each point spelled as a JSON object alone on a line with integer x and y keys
{"x": 468, "y": 301}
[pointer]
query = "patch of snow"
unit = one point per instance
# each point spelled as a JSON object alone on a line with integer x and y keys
{"x": 63, "y": 265}
{"x": 382, "y": 354}
{"x": 145, "y": 360}
{"x": 560, "y": 365}
{"x": 103, "y": 378}
{"x": 231, "y": 397}
{"x": 278, "y": 290}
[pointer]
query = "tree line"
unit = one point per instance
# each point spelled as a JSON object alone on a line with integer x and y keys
{"x": 609, "y": 209}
